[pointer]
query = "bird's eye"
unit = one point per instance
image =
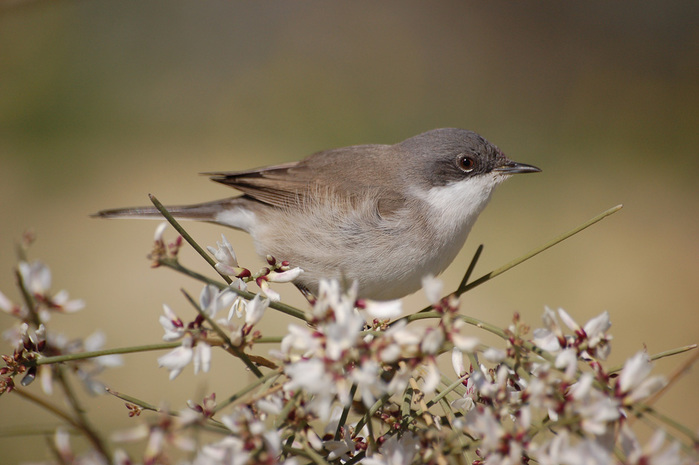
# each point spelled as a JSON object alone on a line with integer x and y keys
{"x": 466, "y": 163}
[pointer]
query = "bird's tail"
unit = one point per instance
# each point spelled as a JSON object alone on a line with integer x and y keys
{"x": 208, "y": 211}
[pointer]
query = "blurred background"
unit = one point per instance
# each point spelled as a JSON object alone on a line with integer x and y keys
{"x": 103, "y": 102}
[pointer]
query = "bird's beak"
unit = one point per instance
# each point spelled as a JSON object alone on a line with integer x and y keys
{"x": 512, "y": 167}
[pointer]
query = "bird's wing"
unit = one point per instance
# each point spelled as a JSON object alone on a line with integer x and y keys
{"x": 338, "y": 172}
{"x": 273, "y": 185}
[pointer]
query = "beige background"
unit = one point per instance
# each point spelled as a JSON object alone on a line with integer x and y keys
{"x": 104, "y": 102}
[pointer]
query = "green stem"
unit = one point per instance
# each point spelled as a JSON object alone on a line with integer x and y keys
{"x": 284, "y": 308}
{"x": 85, "y": 426}
{"x": 313, "y": 455}
{"x": 28, "y": 300}
{"x": 537, "y": 251}
{"x": 99, "y": 353}
{"x": 284, "y": 414}
{"x": 63, "y": 415}
{"x": 471, "y": 267}
{"x": 660, "y": 355}
{"x": 479, "y": 324}
{"x": 345, "y": 412}
{"x": 640, "y": 409}
{"x": 185, "y": 235}
{"x": 463, "y": 287}
{"x": 442, "y": 394}
{"x": 258, "y": 382}
{"x": 132, "y": 400}
{"x": 236, "y": 350}
{"x": 372, "y": 411}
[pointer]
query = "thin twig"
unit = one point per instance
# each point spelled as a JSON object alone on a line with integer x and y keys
{"x": 345, "y": 413}
{"x": 471, "y": 267}
{"x": 99, "y": 353}
{"x": 282, "y": 307}
{"x": 230, "y": 346}
{"x": 537, "y": 250}
{"x": 185, "y": 235}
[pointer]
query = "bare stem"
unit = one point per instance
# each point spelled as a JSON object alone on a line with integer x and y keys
{"x": 170, "y": 219}
{"x": 536, "y": 251}
{"x": 99, "y": 353}
{"x": 229, "y": 344}
{"x": 282, "y": 307}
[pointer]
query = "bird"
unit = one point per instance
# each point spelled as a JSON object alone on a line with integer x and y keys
{"x": 383, "y": 216}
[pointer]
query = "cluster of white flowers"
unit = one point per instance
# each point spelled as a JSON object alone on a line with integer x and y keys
{"x": 30, "y": 337}
{"x": 358, "y": 382}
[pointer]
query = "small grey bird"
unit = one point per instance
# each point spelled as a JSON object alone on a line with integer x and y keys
{"x": 383, "y": 215}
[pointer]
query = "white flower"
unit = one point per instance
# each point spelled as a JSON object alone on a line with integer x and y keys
{"x": 284, "y": 276}
{"x": 62, "y": 300}
{"x": 202, "y": 357}
{"x": 406, "y": 341}
{"x": 343, "y": 333}
{"x": 211, "y": 299}
{"x": 567, "y": 360}
{"x": 120, "y": 457}
{"x": 390, "y": 353}
{"x": 368, "y": 381}
{"x": 484, "y": 425}
{"x": 224, "y": 254}
{"x": 568, "y": 320}
{"x": 177, "y": 359}
{"x": 432, "y": 341}
{"x": 634, "y": 383}
{"x": 331, "y": 296}
{"x": 273, "y": 441}
{"x": 268, "y": 291}
{"x": 271, "y": 405}
{"x": 457, "y": 362}
{"x": 171, "y": 323}
{"x": 597, "y": 339}
{"x": 559, "y": 450}
{"x": 238, "y": 307}
{"x": 299, "y": 338}
{"x": 35, "y": 276}
{"x": 463, "y": 343}
{"x": 340, "y": 449}
{"x": 431, "y": 377}
{"x": 6, "y": 304}
{"x": 395, "y": 451}
{"x": 586, "y": 452}
{"x": 160, "y": 231}
{"x": 546, "y": 339}
{"x": 255, "y": 309}
{"x": 596, "y": 327}
{"x": 652, "y": 453}
{"x": 433, "y": 288}
{"x": 581, "y": 390}
{"x": 494, "y": 355}
{"x": 635, "y": 370}
{"x": 384, "y": 310}
{"x": 483, "y": 383}
{"x": 229, "y": 450}
{"x": 311, "y": 377}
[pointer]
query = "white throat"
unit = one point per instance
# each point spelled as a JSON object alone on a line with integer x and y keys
{"x": 456, "y": 206}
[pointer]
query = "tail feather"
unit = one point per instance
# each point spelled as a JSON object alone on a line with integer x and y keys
{"x": 207, "y": 211}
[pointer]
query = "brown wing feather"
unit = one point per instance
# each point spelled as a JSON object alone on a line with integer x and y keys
{"x": 273, "y": 185}
{"x": 339, "y": 172}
